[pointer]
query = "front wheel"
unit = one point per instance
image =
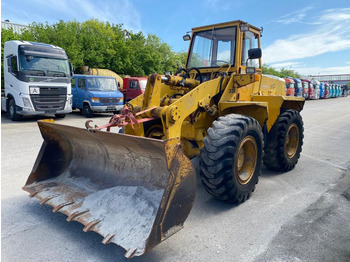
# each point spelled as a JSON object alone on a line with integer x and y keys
{"x": 231, "y": 158}
{"x": 285, "y": 141}
{"x": 12, "y": 109}
{"x": 87, "y": 112}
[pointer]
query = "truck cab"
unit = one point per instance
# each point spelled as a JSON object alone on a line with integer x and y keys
{"x": 322, "y": 90}
{"x": 298, "y": 87}
{"x": 37, "y": 80}
{"x": 98, "y": 94}
{"x": 305, "y": 88}
{"x": 133, "y": 87}
{"x": 316, "y": 86}
{"x": 290, "y": 90}
{"x": 326, "y": 90}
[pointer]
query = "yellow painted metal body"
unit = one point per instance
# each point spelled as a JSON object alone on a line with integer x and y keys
{"x": 189, "y": 116}
{"x": 187, "y": 110}
{"x": 75, "y": 167}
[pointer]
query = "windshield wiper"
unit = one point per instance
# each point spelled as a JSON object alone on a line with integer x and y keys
{"x": 57, "y": 73}
{"x": 39, "y": 72}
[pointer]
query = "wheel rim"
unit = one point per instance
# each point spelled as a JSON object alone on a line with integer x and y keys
{"x": 86, "y": 110}
{"x": 246, "y": 160}
{"x": 292, "y": 141}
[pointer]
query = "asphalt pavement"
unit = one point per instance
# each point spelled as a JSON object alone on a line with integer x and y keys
{"x": 301, "y": 215}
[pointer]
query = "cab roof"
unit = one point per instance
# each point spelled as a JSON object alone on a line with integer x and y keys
{"x": 225, "y": 24}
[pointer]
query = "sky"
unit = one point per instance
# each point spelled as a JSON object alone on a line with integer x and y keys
{"x": 309, "y": 37}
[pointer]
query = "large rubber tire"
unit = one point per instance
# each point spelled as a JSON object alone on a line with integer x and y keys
{"x": 12, "y": 111}
{"x": 285, "y": 141}
{"x": 231, "y": 158}
{"x": 87, "y": 112}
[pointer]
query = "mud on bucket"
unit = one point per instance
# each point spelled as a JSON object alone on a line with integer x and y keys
{"x": 134, "y": 191}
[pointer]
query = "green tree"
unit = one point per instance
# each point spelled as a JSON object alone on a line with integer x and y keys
{"x": 266, "y": 69}
{"x": 103, "y": 45}
{"x": 6, "y": 35}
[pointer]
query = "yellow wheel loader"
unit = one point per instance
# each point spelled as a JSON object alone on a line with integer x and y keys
{"x": 137, "y": 188}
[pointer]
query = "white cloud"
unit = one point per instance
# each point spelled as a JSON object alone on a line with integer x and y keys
{"x": 328, "y": 35}
{"x": 116, "y": 12}
{"x": 293, "y": 17}
{"x": 322, "y": 70}
{"x": 287, "y": 65}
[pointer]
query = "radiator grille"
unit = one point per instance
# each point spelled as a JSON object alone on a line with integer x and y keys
{"x": 109, "y": 100}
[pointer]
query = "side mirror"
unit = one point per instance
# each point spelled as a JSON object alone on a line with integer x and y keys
{"x": 254, "y": 53}
{"x": 71, "y": 69}
{"x": 186, "y": 37}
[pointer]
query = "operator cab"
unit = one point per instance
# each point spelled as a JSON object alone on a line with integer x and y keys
{"x": 231, "y": 47}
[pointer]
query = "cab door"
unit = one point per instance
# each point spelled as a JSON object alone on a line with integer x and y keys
{"x": 78, "y": 91}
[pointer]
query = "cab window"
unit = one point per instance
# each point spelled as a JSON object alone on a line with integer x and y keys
{"x": 250, "y": 40}
{"x": 73, "y": 81}
{"x": 134, "y": 85}
{"x": 82, "y": 83}
{"x": 12, "y": 64}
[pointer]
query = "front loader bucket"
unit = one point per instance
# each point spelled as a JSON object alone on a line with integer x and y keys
{"x": 134, "y": 191}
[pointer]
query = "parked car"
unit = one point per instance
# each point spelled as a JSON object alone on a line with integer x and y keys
{"x": 98, "y": 94}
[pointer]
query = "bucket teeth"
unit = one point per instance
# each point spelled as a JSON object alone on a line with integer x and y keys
{"x": 57, "y": 208}
{"x": 76, "y": 214}
{"x": 89, "y": 226}
{"x": 130, "y": 252}
{"x": 47, "y": 199}
{"x": 33, "y": 194}
{"x": 107, "y": 239}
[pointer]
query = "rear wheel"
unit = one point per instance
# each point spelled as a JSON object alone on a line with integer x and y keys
{"x": 285, "y": 142}
{"x": 231, "y": 158}
{"x": 87, "y": 112}
{"x": 12, "y": 109}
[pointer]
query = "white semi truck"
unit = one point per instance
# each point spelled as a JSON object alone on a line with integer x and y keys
{"x": 37, "y": 80}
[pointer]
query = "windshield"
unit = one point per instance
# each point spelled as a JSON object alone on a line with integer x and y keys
{"x": 213, "y": 48}
{"x": 43, "y": 66}
{"x": 143, "y": 84}
{"x": 101, "y": 84}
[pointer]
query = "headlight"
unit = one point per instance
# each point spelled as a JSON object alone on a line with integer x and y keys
{"x": 95, "y": 99}
{"x": 121, "y": 99}
{"x": 26, "y": 102}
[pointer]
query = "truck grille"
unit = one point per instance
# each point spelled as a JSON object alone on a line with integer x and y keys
{"x": 109, "y": 100}
{"x": 48, "y": 103}
{"x": 46, "y": 90}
